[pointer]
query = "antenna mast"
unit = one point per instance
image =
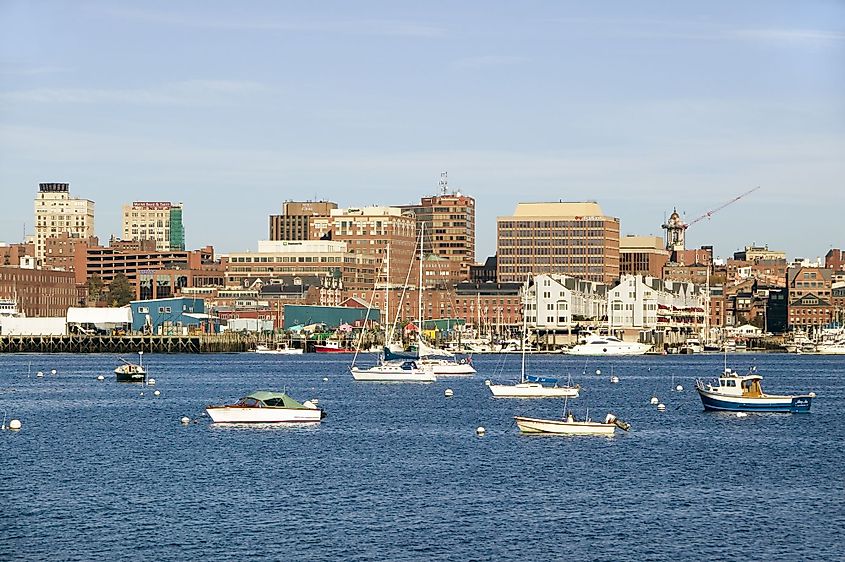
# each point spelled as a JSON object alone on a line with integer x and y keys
{"x": 444, "y": 183}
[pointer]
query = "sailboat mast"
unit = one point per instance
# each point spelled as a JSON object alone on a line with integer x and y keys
{"x": 420, "y": 292}
{"x": 524, "y": 328}
{"x": 387, "y": 298}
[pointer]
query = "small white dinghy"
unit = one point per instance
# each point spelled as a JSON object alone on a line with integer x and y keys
{"x": 571, "y": 426}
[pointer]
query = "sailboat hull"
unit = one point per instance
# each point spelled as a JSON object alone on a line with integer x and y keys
{"x": 562, "y": 427}
{"x": 533, "y": 390}
{"x": 380, "y": 374}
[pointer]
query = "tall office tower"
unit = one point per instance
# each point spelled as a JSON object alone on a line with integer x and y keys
{"x": 56, "y": 212}
{"x": 449, "y": 220}
{"x": 574, "y": 239}
{"x": 155, "y": 220}
{"x": 295, "y": 220}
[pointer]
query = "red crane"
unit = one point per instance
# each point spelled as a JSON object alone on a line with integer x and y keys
{"x": 709, "y": 213}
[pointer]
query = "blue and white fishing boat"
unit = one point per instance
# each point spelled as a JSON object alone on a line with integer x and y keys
{"x": 743, "y": 393}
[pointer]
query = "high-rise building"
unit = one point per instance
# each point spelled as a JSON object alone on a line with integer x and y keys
{"x": 155, "y": 220}
{"x": 57, "y": 212}
{"x": 369, "y": 231}
{"x": 642, "y": 255}
{"x": 574, "y": 239}
{"x": 294, "y": 222}
{"x": 449, "y": 220}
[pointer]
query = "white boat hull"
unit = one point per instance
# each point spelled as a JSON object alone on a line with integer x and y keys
{"x": 562, "y": 427}
{"x": 533, "y": 390}
{"x": 831, "y": 349}
{"x": 449, "y": 368}
{"x": 389, "y": 374}
{"x": 238, "y": 414}
{"x": 595, "y": 350}
{"x": 288, "y": 351}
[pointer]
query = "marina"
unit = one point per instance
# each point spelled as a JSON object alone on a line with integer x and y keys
{"x": 402, "y": 452}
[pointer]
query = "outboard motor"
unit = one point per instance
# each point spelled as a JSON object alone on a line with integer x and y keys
{"x": 621, "y": 424}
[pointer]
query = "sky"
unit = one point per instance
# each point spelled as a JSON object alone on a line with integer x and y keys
{"x": 234, "y": 107}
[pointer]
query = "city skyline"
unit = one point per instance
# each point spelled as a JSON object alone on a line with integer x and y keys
{"x": 652, "y": 108}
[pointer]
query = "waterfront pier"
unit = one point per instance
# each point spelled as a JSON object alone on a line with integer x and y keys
{"x": 200, "y": 343}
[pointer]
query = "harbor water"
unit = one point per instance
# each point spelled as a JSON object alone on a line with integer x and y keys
{"x": 397, "y": 472}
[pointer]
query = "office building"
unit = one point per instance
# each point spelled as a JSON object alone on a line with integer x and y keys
{"x": 295, "y": 221}
{"x": 155, "y": 220}
{"x": 56, "y": 212}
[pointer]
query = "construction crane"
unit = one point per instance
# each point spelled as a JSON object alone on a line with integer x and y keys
{"x": 710, "y": 213}
{"x": 675, "y": 227}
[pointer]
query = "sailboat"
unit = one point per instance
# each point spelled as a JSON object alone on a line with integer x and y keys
{"x": 531, "y": 386}
{"x": 387, "y": 370}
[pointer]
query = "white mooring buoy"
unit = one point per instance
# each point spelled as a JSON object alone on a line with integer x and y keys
{"x": 448, "y": 393}
{"x": 157, "y": 393}
{"x": 39, "y": 374}
{"x": 151, "y": 382}
{"x": 14, "y": 425}
{"x": 325, "y": 379}
{"x": 741, "y": 415}
{"x": 654, "y": 401}
{"x": 598, "y": 371}
{"x": 679, "y": 388}
{"x": 185, "y": 420}
{"x": 661, "y": 407}
{"x": 487, "y": 382}
{"x": 614, "y": 379}
{"x": 101, "y": 378}
{"x": 480, "y": 430}
{"x": 52, "y": 371}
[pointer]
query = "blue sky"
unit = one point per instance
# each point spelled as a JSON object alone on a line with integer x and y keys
{"x": 234, "y": 107}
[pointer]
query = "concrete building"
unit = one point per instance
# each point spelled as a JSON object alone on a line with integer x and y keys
{"x": 573, "y": 239}
{"x": 449, "y": 220}
{"x": 368, "y": 231}
{"x": 277, "y": 259}
{"x": 38, "y": 292}
{"x": 642, "y": 255}
{"x": 295, "y": 221}
{"x": 56, "y": 212}
{"x": 155, "y": 220}
{"x": 755, "y": 253}
{"x": 809, "y": 296}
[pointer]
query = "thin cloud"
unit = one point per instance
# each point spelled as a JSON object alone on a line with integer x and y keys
{"x": 791, "y": 36}
{"x": 352, "y": 27}
{"x": 488, "y": 60}
{"x": 190, "y": 92}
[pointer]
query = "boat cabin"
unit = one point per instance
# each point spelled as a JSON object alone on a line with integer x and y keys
{"x": 732, "y": 384}
{"x": 266, "y": 399}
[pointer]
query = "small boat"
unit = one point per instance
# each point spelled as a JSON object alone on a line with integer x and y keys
{"x": 608, "y": 345}
{"x": 265, "y": 406}
{"x": 131, "y": 372}
{"x": 571, "y": 426}
{"x": 832, "y": 348}
{"x": 281, "y": 349}
{"x": 332, "y": 346}
{"x": 448, "y": 367}
{"x": 743, "y": 393}
{"x": 692, "y": 345}
{"x": 393, "y": 371}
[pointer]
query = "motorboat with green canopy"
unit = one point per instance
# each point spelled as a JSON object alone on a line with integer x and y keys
{"x": 265, "y": 406}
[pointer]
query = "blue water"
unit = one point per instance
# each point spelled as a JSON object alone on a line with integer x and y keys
{"x": 396, "y": 472}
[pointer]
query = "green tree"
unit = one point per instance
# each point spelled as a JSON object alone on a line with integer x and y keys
{"x": 95, "y": 287}
{"x": 120, "y": 291}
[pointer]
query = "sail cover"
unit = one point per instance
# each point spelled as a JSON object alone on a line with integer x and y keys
{"x": 542, "y": 380}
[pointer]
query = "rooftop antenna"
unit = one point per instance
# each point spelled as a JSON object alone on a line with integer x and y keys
{"x": 444, "y": 183}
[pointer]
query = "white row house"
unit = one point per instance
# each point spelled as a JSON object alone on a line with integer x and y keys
{"x": 646, "y": 303}
{"x": 558, "y": 302}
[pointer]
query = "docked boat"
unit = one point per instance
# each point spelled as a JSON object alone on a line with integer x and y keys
{"x": 743, "y": 393}
{"x": 281, "y": 349}
{"x": 832, "y": 348}
{"x": 571, "y": 426}
{"x": 692, "y": 345}
{"x": 332, "y": 346}
{"x": 393, "y": 371}
{"x": 131, "y": 372}
{"x": 265, "y": 406}
{"x": 440, "y": 362}
{"x": 608, "y": 345}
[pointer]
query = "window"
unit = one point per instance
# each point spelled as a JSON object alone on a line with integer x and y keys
{"x": 143, "y": 310}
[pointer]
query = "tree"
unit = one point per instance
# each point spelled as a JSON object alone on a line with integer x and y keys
{"x": 95, "y": 287}
{"x": 120, "y": 291}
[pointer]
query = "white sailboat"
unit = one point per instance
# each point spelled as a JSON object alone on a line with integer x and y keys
{"x": 390, "y": 371}
{"x": 530, "y": 386}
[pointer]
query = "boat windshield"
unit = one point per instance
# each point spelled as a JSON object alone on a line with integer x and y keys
{"x": 250, "y": 403}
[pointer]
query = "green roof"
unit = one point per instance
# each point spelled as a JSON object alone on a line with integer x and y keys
{"x": 279, "y": 399}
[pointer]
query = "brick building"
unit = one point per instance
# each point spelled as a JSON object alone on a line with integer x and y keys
{"x": 642, "y": 255}
{"x": 295, "y": 221}
{"x": 38, "y": 292}
{"x": 809, "y": 295}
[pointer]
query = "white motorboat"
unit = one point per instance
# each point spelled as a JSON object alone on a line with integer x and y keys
{"x": 266, "y": 407}
{"x": 451, "y": 367}
{"x": 608, "y": 345}
{"x": 832, "y": 348}
{"x": 393, "y": 371}
{"x": 281, "y": 349}
{"x": 571, "y": 426}
{"x": 692, "y": 345}
{"x": 131, "y": 372}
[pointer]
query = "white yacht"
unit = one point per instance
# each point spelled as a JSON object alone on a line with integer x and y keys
{"x": 831, "y": 348}
{"x": 608, "y": 345}
{"x": 393, "y": 371}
